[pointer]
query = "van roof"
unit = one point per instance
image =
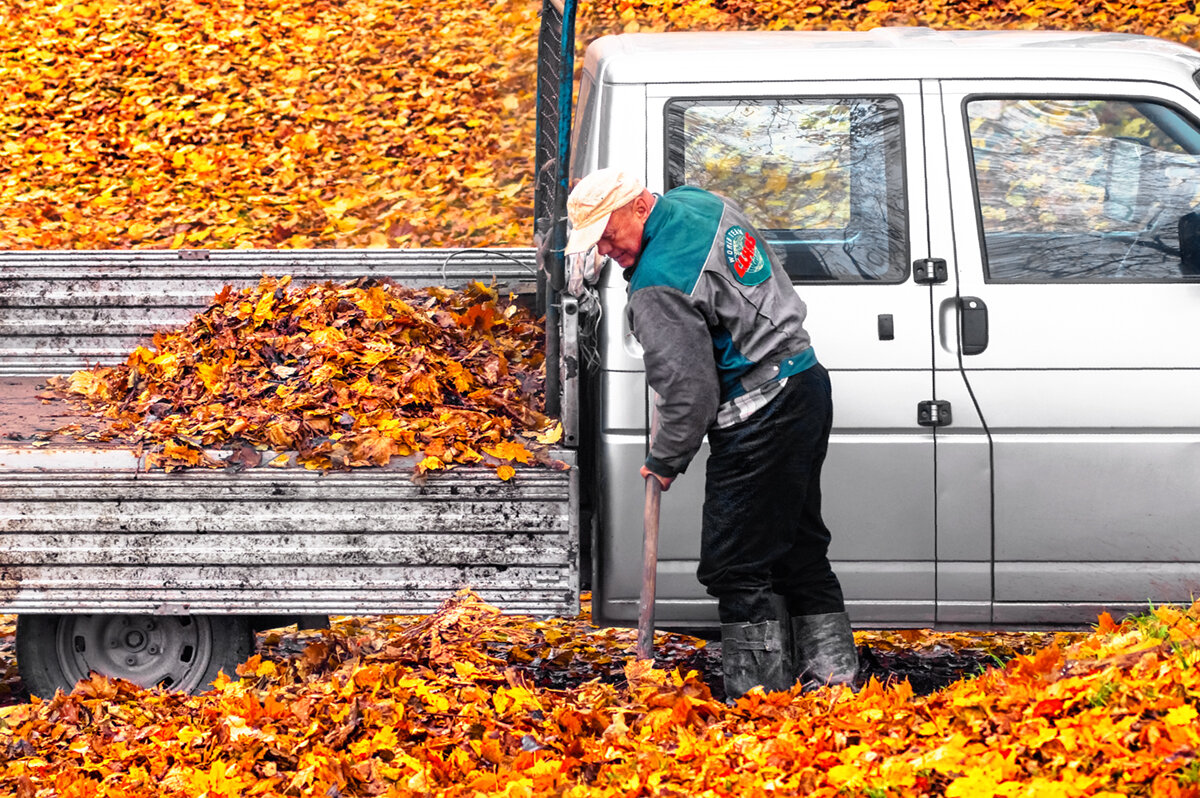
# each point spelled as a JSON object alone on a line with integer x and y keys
{"x": 736, "y": 56}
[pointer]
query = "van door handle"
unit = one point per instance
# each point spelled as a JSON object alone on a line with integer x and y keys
{"x": 972, "y": 324}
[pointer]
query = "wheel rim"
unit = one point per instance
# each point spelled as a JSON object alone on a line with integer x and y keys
{"x": 165, "y": 651}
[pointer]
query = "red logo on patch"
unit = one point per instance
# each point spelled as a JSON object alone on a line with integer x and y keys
{"x": 745, "y": 257}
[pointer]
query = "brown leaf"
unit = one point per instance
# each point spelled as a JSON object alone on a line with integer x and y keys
{"x": 244, "y": 457}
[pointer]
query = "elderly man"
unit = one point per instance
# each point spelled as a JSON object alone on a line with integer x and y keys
{"x": 726, "y": 351}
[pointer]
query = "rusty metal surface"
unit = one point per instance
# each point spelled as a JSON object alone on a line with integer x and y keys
{"x": 85, "y": 528}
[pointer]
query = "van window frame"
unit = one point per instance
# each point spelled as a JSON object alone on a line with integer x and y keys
{"x": 981, "y": 242}
{"x": 903, "y": 225}
{"x": 583, "y": 130}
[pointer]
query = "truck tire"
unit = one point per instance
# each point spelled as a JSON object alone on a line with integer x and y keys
{"x": 303, "y": 622}
{"x": 177, "y": 652}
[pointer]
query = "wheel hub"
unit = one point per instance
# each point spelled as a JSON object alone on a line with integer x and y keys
{"x": 166, "y": 651}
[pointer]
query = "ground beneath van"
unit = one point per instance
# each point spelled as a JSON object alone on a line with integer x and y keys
{"x": 928, "y": 660}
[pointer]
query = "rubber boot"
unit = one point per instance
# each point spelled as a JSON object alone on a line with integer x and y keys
{"x": 823, "y": 649}
{"x": 754, "y": 654}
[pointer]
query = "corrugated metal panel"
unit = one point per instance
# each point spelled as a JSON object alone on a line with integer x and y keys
{"x": 366, "y": 541}
{"x": 86, "y": 529}
{"x": 64, "y": 310}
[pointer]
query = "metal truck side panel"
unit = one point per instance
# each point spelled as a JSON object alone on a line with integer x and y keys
{"x": 85, "y": 528}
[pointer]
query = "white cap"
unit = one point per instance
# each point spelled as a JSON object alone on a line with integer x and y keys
{"x": 593, "y": 200}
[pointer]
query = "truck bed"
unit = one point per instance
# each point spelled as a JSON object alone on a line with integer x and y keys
{"x": 84, "y": 527}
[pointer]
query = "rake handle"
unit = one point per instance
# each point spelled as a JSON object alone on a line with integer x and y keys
{"x": 645, "y": 639}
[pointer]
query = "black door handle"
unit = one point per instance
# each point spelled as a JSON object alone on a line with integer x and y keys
{"x": 972, "y": 324}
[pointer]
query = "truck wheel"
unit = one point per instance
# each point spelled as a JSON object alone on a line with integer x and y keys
{"x": 303, "y": 622}
{"x": 179, "y": 652}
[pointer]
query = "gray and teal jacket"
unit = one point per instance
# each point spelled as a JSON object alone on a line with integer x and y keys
{"x": 716, "y": 316}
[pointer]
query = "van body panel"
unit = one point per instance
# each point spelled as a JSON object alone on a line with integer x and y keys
{"x": 1063, "y": 483}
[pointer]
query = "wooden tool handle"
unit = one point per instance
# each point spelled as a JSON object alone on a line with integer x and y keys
{"x": 645, "y": 640}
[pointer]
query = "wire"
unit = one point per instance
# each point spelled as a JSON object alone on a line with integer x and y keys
{"x": 496, "y": 252}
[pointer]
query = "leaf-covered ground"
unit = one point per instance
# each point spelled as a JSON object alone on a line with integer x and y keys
{"x": 315, "y": 123}
{"x": 469, "y": 702}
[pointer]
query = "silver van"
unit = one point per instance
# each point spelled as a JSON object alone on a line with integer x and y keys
{"x": 998, "y": 238}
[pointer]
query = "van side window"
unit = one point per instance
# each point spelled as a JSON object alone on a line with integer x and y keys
{"x": 822, "y": 179}
{"x": 1086, "y": 189}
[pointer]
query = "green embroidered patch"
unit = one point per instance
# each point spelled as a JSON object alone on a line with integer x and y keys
{"x": 745, "y": 257}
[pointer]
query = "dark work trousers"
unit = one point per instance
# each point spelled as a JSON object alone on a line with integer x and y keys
{"x": 762, "y": 531}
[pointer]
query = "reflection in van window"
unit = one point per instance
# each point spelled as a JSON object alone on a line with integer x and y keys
{"x": 1086, "y": 189}
{"x": 822, "y": 179}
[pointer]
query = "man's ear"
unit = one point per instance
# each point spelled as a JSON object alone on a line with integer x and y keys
{"x": 642, "y": 205}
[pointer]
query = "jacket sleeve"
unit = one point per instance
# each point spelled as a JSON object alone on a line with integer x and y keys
{"x": 681, "y": 368}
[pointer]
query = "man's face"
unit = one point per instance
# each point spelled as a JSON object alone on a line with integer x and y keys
{"x": 622, "y": 239}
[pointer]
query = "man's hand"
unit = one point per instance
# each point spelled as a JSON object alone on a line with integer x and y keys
{"x": 664, "y": 482}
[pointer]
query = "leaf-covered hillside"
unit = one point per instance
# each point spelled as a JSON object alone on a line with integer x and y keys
{"x": 298, "y": 123}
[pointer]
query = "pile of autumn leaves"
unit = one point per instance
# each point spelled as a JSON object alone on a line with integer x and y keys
{"x": 435, "y": 707}
{"x": 333, "y": 376}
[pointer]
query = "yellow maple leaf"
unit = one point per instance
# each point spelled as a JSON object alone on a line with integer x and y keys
{"x": 90, "y": 384}
{"x": 1180, "y": 716}
{"x": 552, "y": 435}
{"x": 327, "y": 337}
{"x": 845, "y": 777}
{"x": 264, "y": 308}
{"x": 509, "y": 451}
{"x": 976, "y": 782}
